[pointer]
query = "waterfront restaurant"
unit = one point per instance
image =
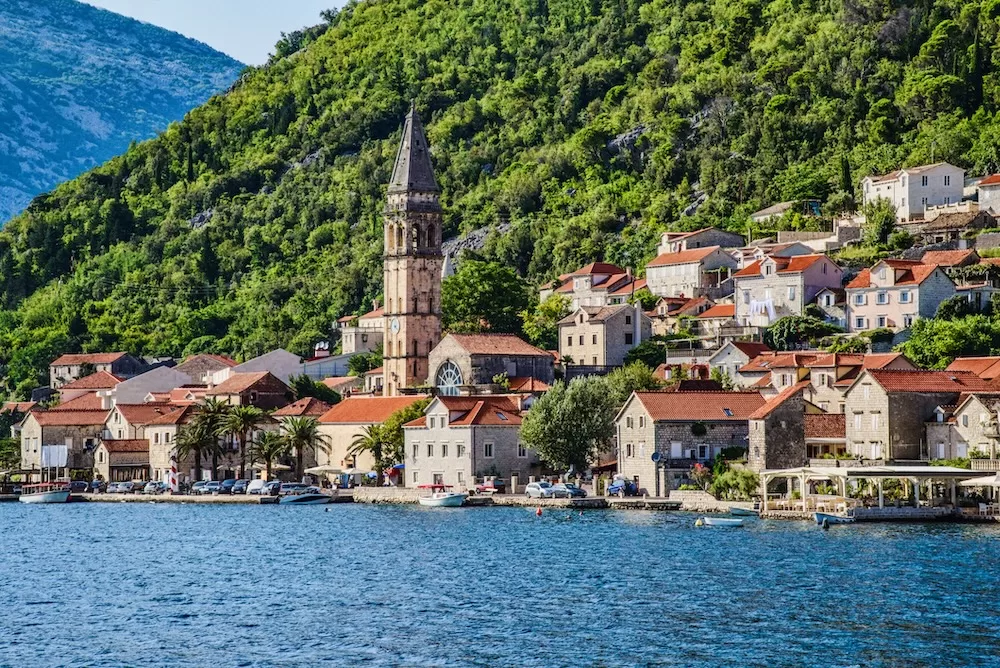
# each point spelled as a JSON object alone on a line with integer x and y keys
{"x": 798, "y": 499}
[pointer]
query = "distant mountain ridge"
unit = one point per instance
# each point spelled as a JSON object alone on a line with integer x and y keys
{"x": 78, "y": 84}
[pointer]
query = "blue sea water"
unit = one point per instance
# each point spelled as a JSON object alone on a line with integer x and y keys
{"x": 196, "y": 585}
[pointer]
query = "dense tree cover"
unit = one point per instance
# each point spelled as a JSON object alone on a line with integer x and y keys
{"x": 934, "y": 342}
{"x": 483, "y": 297}
{"x": 541, "y": 323}
{"x": 792, "y": 331}
{"x": 304, "y": 386}
{"x": 585, "y": 128}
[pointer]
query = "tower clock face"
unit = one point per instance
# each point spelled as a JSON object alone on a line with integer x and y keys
{"x": 394, "y": 325}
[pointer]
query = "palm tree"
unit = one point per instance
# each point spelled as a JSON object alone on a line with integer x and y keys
{"x": 267, "y": 448}
{"x": 238, "y": 422}
{"x": 303, "y": 432}
{"x": 195, "y": 439}
{"x": 210, "y": 415}
{"x": 373, "y": 440}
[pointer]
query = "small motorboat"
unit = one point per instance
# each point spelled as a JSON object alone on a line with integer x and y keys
{"x": 443, "y": 499}
{"x": 742, "y": 512}
{"x": 721, "y": 522}
{"x": 832, "y": 519}
{"x": 47, "y": 492}
{"x": 306, "y": 499}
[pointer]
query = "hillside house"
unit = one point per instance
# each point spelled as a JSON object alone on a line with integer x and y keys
{"x": 676, "y": 242}
{"x": 913, "y": 189}
{"x": 602, "y": 337}
{"x": 894, "y": 293}
{"x": 777, "y": 286}
{"x": 67, "y": 368}
{"x": 699, "y": 272}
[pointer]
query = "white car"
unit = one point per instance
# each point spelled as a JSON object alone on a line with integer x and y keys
{"x": 540, "y": 490}
{"x": 256, "y": 486}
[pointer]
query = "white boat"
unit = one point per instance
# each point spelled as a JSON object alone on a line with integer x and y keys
{"x": 721, "y": 522}
{"x": 306, "y": 499}
{"x": 47, "y": 492}
{"x": 832, "y": 519}
{"x": 443, "y": 499}
{"x": 742, "y": 512}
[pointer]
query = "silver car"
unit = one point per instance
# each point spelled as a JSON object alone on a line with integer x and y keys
{"x": 540, "y": 490}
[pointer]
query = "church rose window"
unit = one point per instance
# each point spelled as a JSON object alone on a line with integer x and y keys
{"x": 449, "y": 378}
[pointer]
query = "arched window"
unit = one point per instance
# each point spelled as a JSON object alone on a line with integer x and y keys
{"x": 431, "y": 240}
{"x": 399, "y": 239}
{"x": 416, "y": 237}
{"x": 390, "y": 240}
{"x": 448, "y": 379}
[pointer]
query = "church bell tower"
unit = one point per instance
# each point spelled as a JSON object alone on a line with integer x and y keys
{"x": 413, "y": 262}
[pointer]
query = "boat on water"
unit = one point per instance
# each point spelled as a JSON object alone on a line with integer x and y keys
{"x": 443, "y": 499}
{"x": 307, "y": 499}
{"x": 721, "y": 522}
{"x": 46, "y": 492}
{"x": 742, "y": 512}
{"x": 832, "y": 519}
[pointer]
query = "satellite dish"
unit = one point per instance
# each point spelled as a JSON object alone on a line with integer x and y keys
{"x": 656, "y": 457}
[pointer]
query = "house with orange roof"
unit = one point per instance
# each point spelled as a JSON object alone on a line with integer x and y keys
{"x": 67, "y": 368}
{"x": 911, "y": 190}
{"x": 258, "y": 388}
{"x": 161, "y": 434}
{"x": 676, "y": 242}
{"x": 767, "y": 247}
{"x": 734, "y": 355}
{"x": 78, "y": 430}
{"x": 599, "y": 337}
{"x": 101, "y": 380}
{"x": 987, "y": 368}
{"x": 713, "y": 321}
{"x": 462, "y": 440}
{"x": 887, "y": 409}
{"x": 305, "y": 407}
{"x": 777, "y": 429}
{"x": 698, "y": 272}
{"x": 122, "y": 461}
{"x": 596, "y": 284}
{"x": 468, "y": 363}
{"x": 667, "y": 313}
{"x": 347, "y": 420}
{"x": 968, "y": 427}
{"x": 988, "y": 190}
{"x": 777, "y": 286}
{"x": 362, "y": 334}
{"x": 683, "y": 427}
{"x": 129, "y": 421}
{"x": 894, "y": 293}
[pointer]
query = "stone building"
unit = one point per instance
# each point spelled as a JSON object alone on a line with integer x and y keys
{"x": 965, "y": 429}
{"x": 894, "y": 293}
{"x": 778, "y": 431}
{"x": 733, "y": 356}
{"x": 461, "y": 363}
{"x": 683, "y": 428}
{"x": 161, "y": 436}
{"x": 78, "y": 430}
{"x": 887, "y": 409}
{"x": 67, "y": 368}
{"x": 596, "y": 284}
{"x": 601, "y": 336}
{"x": 200, "y": 368}
{"x": 261, "y": 389}
{"x": 676, "y": 242}
{"x": 347, "y": 420}
{"x": 413, "y": 262}
{"x": 362, "y": 334}
{"x": 699, "y": 272}
{"x": 776, "y": 287}
{"x": 460, "y": 439}
{"x": 122, "y": 461}
{"x": 128, "y": 421}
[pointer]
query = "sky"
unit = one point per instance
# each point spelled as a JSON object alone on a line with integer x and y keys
{"x": 245, "y": 29}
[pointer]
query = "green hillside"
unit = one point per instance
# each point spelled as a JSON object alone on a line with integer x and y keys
{"x": 585, "y": 127}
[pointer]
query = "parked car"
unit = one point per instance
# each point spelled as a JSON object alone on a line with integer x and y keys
{"x": 126, "y": 487}
{"x": 539, "y": 490}
{"x": 78, "y": 487}
{"x": 211, "y": 487}
{"x": 569, "y": 491}
{"x": 622, "y": 487}
{"x": 495, "y": 486}
{"x": 240, "y": 487}
{"x": 226, "y": 486}
{"x": 154, "y": 487}
{"x": 256, "y": 486}
{"x": 112, "y": 488}
{"x": 198, "y": 486}
{"x": 272, "y": 488}
{"x": 97, "y": 486}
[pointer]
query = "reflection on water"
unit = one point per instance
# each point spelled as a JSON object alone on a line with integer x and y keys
{"x": 190, "y": 585}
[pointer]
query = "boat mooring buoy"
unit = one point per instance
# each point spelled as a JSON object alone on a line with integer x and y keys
{"x": 699, "y": 522}
{"x": 538, "y": 512}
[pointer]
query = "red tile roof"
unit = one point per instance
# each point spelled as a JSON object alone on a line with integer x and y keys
{"x": 142, "y": 414}
{"x": 69, "y": 418}
{"x": 719, "y": 311}
{"x": 777, "y": 401}
{"x": 340, "y": 383}
{"x": 18, "y": 406}
{"x": 498, "y": 411}
{"x": 182, "y": 415}
{"x": 949, "y": 258}
{"x": 87, "y": 358}
{"x": 305, "y": 406}
{"x": 784, "y": 265}
{"x": 598, "y": 268}
{"x": 826, "y": 425}
{"x": 85, "y": 402}
{"x": 371, "y": 315}
{"x": 528, "y": 384}
{"x": 913, "y": 274}
{"x": 242, "y": 382}
{"x": 991, "y": 180}
{"x": 496, "y": 344}
{"x": 750, "y": 348}
{"x": 366, "y": 410}
{"x": 126, "y": 445}
{"x": 893, "y": 380}
{"x": 689, "y": 406}
{"x": 987, "y": 368}
{"x": 682, "y": 257}
{"x": 222, "y": 359}
{"x": 629, "y": 288}
{"x": 102, "y": 380}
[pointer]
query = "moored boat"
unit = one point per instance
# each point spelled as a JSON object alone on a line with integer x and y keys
{"x": 307, "y": 499}
{"x": 832, "y": 519}
{"x": 721, "y": 522}
{"x": 443, "y": 499}
{"x": 46, "y": 492}
{"x": 742, "y": 512}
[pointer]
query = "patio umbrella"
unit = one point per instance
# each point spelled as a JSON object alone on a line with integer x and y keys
{"x": 323, "y": 470}
{"x": 352, "y": 471}
{"x": 984, "y": 481}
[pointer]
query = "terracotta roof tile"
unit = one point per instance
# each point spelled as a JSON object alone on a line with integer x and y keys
{"x": 987, "y": 368}
{"x": 950, "y": 258}
{"x": 784, "y": 265}
{"x": 87, "y": 358}
{"x": 142, "y": 414}
{"x": 777, "y": 401}
{"x": 682, "y": 257}
{"x": 70, "y": 418}
{"x": 528, "y": 384}
{"x": 893, "y": 380}
{"x": 991, "y": 180}
{"x": 689, "y": 406}
{"x": 366, "y": 410}
{"x": 126, "y": 445}
{"x": 373, "y": 315}
{"x": 305, "y": 406}
{"x": 629, "y": 288}
{"x": 913, "y": 273}
{"x": 182, "y": 415}
{"x": 499, "y": 411}
{"x": 85, "y": 402}
{"x": 719, "y": 311}
{"x": 241, "y": 382}
{"x": 496, "y": 344}
{"x": 598, "y": 268}
{"x": 826, "y": 425}
{"x": 102, "y": 380}
{"x": 18, "y": 406}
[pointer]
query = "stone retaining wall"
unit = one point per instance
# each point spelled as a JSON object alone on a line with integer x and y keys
{"x": 703, "y": 502}
{"x": 388, "y": 494}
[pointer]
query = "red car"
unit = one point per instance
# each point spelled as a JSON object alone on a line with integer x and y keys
{"x": 495, "y": 486}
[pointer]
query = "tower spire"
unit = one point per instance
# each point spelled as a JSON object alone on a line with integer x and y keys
{"x": 413, "y": 171}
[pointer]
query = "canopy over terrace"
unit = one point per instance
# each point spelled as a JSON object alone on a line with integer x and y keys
{"x": 840, "y": 476}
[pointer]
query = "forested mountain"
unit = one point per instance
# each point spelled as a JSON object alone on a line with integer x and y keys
{"x": 77, "y": 84}
{"x": 584, "y": 126}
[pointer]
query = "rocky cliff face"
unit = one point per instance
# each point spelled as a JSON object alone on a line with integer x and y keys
{"x": 77, "y": 84}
